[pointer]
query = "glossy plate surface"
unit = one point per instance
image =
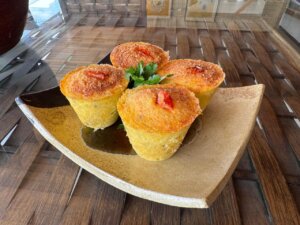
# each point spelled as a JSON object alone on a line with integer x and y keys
{"x": 193, "y": 177}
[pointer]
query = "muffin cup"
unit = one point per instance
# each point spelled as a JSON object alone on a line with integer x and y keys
{"x": 205, "y": 97}
{"x": 93, "y": 92}
{"x": 155, "y": 146}
{"x": 201, "y": 77}
{"x": 97, "y": 114}
{"x": 157, "y": 118}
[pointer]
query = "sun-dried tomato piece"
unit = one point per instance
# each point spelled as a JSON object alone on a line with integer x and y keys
{"x": 196, "y": 69}
{"x": 96, "y": 73}
{"x": 164, "y": 100}
{"x": 143, "y": 51}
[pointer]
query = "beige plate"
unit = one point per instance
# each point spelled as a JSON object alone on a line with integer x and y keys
{"x": 193, "y": 177}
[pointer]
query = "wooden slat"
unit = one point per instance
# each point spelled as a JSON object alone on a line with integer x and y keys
{"x": 7, "y": 57}
{"x": 286, "y": 49}
{"x": 80, "y": 208}
{"x": 235, "y": 31}
{"x": 208, "y": 49}
{"x": 272, "y": 89}
{"x": 261, "y": 36}
{"x": 245, "y": 162}
{"x": 294, "y": 103}
{"x": 170, "y": 34}
{"x": 195, "y": 53}
{"x": 136, "y": 211}
{"x": 139, "y": 33}
{"x": 252, "y": 208}
{"x": 46, "y": 80}
{"x": 16, "y": 168}
{"x": 245, "y": 175}
{"x": 225, "y": 209}
{"x": 232, "y": 76}
{"x": 31, "y": 59}
{"x": 22, "y": 206}
{"x": 9, "y": 96}
{"x": 215, "y": 35}
{"x": 183, "y": 47}
{"x": 251, "y": 176}
{"x": 25, "y": 211}
{"x": 109, "y": 205}
{"x": 262, "y": 76}
{"x": 292, "y": 132}
{"x": 194, "y": 44}
{"x": 236, "y": 55}
{"x": 130, "y": 22}
{"x": 262, "y": 55}
{"x": 279, "y": 199}
{"x": 286, "y": 88}
{"x": 195, "y": 217}
{"x": 55, "y": 198}
{"x": 111, "y": 22}
{"x": 164, "y": 214}
{"x": 296, "y": 193}
{"x": 8, "y": 121}
{"x": 193, "y": 37}
{"x": 242, "y": 25}
{"x": 277, "y": 139}
{"x": 9, "y": 71}
{"x": 172, "y": 51}
{"x": 155, "y": 36}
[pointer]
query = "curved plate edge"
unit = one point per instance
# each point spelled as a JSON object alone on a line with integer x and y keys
{"x": 219, "y": 188}
{"x": 108, "y": 178}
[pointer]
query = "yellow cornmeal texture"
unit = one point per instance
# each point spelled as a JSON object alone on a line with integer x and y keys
{"x": 98, "y": 113}
{"x": 203, "y": 78}
{"x": 156, "y": 132}
{"x": 93, "y": 92}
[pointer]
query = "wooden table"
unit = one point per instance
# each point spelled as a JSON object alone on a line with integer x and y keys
{"x": 38, "y": 185}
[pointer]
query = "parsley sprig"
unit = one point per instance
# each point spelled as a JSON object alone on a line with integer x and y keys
{"x": 141, "y": 75}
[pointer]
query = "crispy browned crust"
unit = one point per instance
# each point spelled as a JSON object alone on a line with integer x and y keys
{"x": 79, "y": 85}
{"x": 197, "y": 75}
{"x": 131, "y": 53}
{"x": 138, "y": 108}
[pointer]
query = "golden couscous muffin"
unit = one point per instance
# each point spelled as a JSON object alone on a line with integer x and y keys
{"x": 93, "y": 92}
{"x": 131, "y": 53}
{"x": 199, "y": 76}
{"x": 157, "y": 117}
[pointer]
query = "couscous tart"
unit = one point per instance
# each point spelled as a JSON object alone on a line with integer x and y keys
{"x": 157, "y": 118}
{"x": 93, "y": 92}
{"x": 201, "y": 77}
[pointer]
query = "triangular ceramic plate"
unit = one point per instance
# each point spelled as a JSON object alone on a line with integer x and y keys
{"x": 193, "y": 177}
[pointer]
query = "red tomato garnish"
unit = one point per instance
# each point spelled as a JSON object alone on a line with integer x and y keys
{"x": 164, "y": 100}
{"x": 196, "y": 69}
{"x": 95, "y": 73}
{"x": 143, "y": 51}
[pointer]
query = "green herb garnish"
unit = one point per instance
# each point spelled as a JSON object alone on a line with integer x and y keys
{"x": 141, "y": 75}
{"x": 121, "y": 126}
